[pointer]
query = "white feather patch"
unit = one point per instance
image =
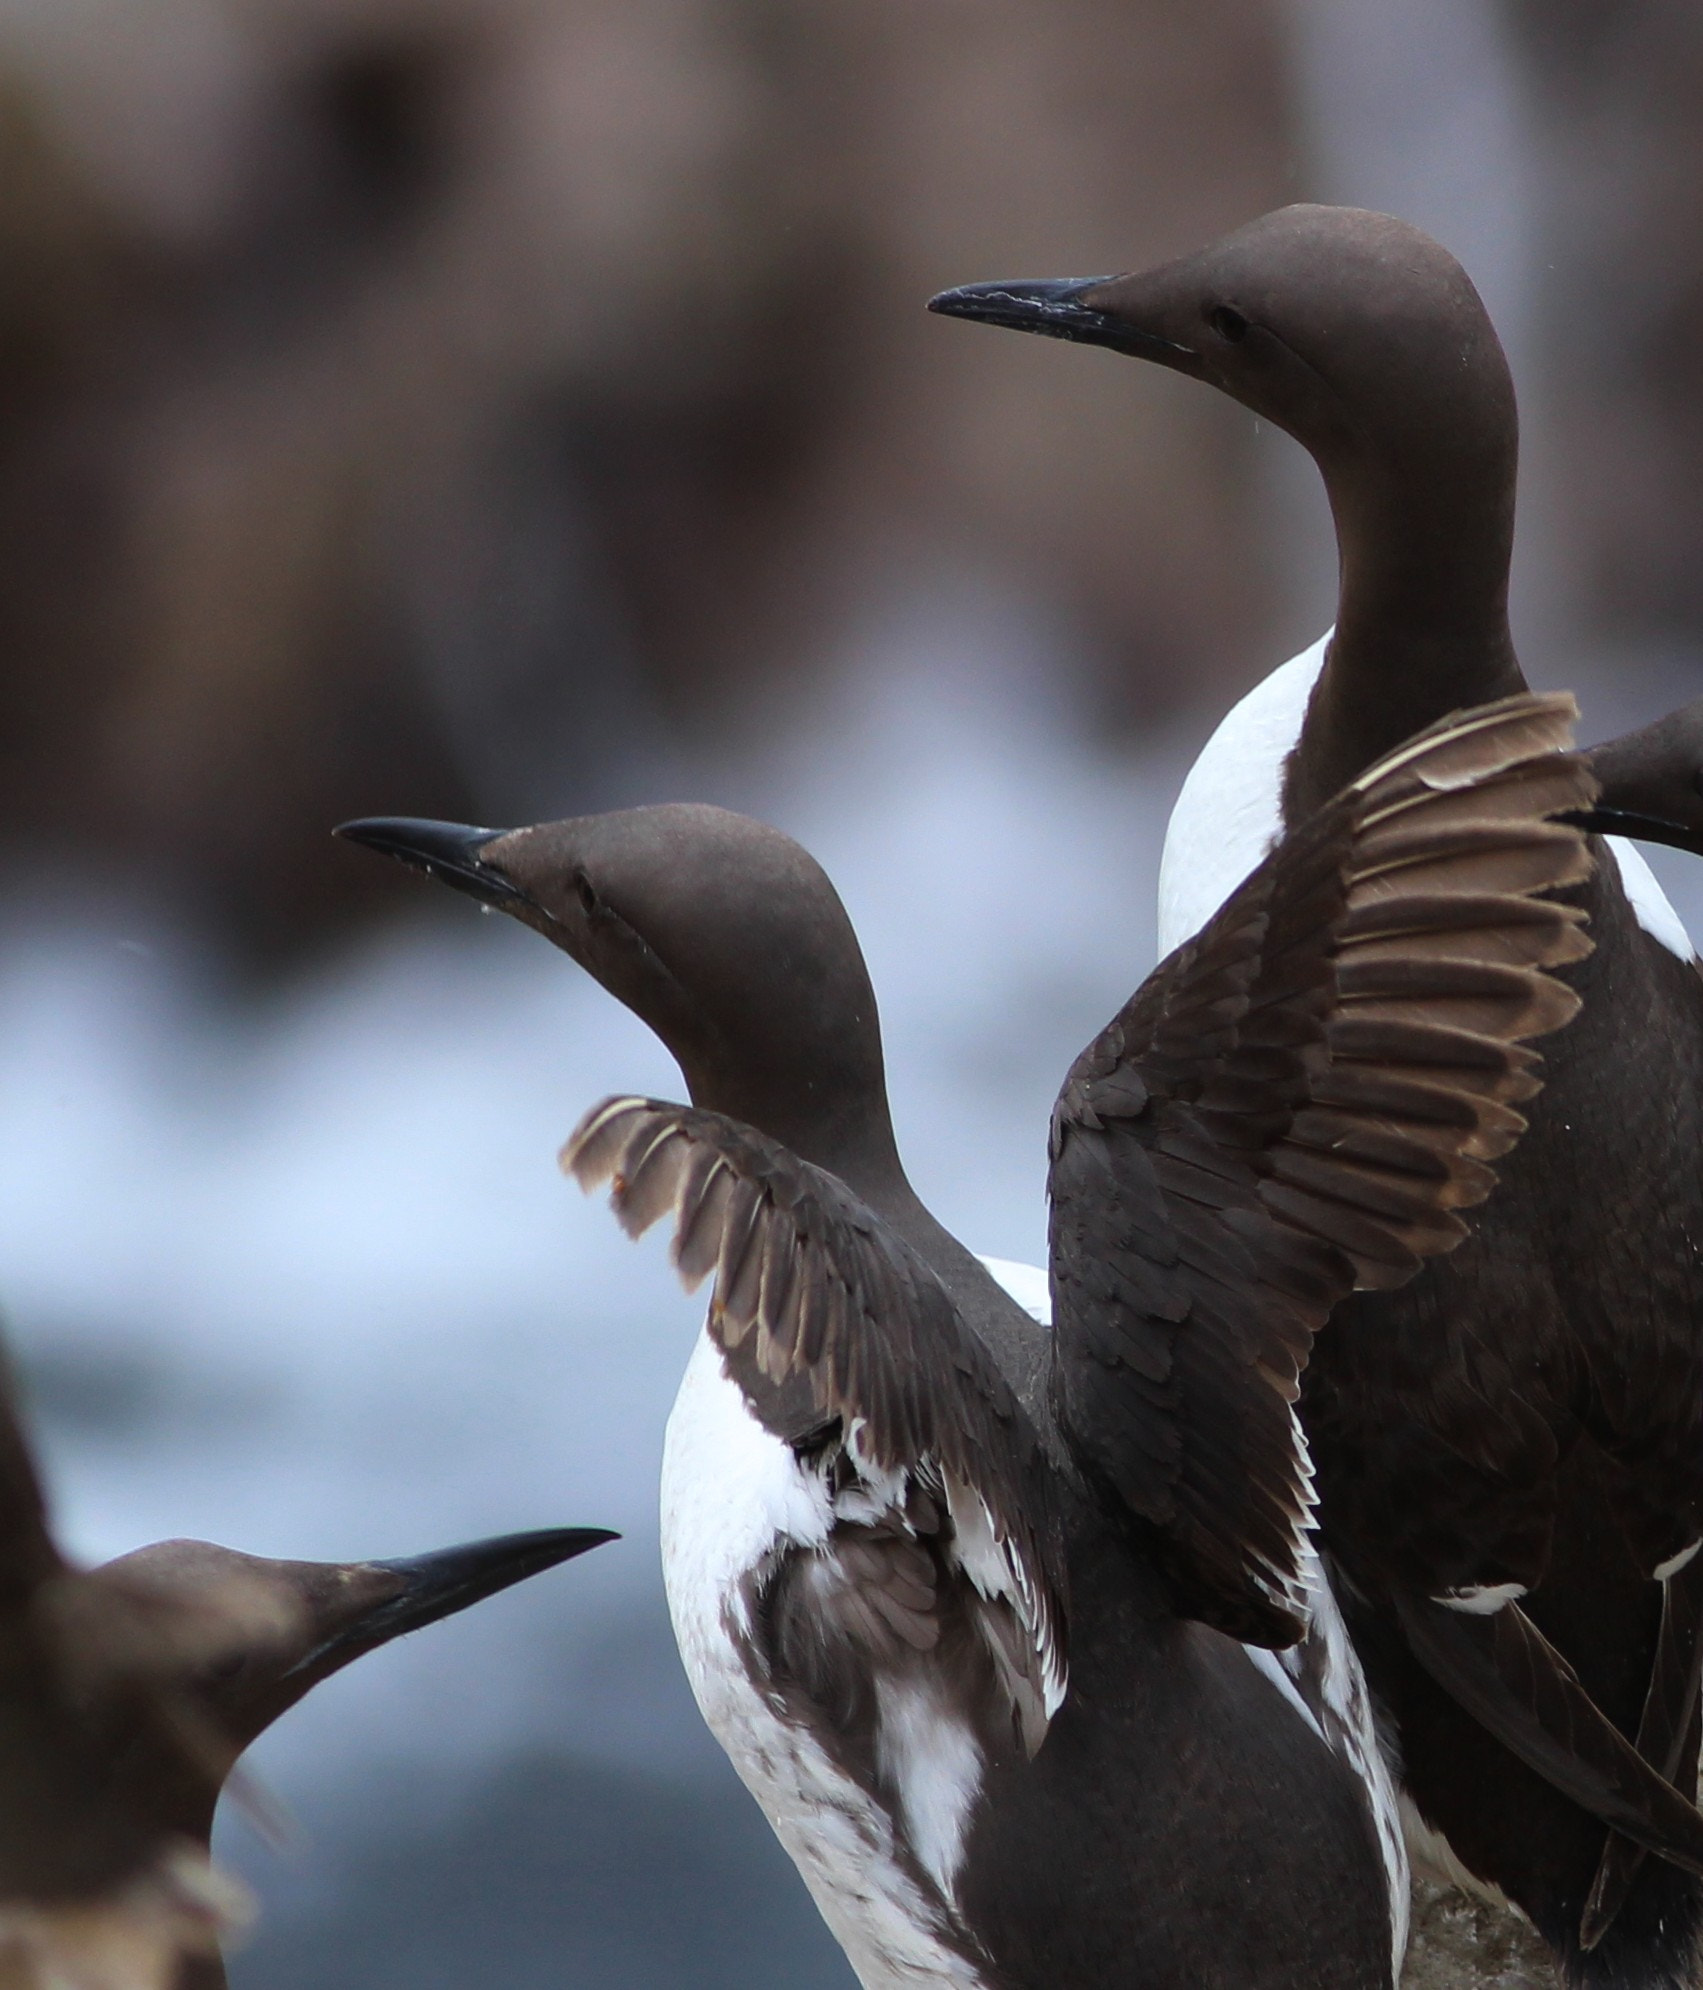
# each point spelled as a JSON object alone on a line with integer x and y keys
{"x": 731, "y": 1493}
{"x": 1354, "y": 1725}
{"x": 1266, "y": 1662}
{"x": 928, "y": 1753}
{"x": 1481, "y": 1599}
{"x": 1651, "y": 906}
{"x": 1229, "y": 812}
{"x": 1675, "y": 1563}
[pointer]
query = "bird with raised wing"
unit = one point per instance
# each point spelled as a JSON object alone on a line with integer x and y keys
{"x": 1011, "y": 1632}
{"x": 1510, "y": 1449}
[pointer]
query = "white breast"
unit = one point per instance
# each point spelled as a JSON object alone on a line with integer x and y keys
{"x": 1651, "y": 906}
{"x": 731, "y": 1495}
{"x": 1229, "y": 814}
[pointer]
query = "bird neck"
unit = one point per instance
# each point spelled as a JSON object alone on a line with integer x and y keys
{"x": 1423, "y": 545}
{"x": 847, "y": 1131}
{"x": 1017, "y": 1344}
{"x": 835, "y": 1117}
{"x": 855, "y": 1143}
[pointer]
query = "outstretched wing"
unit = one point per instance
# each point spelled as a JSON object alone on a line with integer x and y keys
{"x": 841, "y": 1338}
{"x": 1299, "y": 1102}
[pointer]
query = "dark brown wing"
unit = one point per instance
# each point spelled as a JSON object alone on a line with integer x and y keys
{"x": 1297, "y": 1103}
{"x": 1667, "y": 1741}
{"x": 1511, "y": 1679}
{"x": 815, "y": 1297}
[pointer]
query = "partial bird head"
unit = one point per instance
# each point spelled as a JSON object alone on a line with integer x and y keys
{"x": 1341, "y": 326}
{"x": 721, "y": 933}
{"x": 235, "y": 1640}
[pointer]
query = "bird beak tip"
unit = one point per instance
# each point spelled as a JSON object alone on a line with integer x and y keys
{"x": 1055, "y": 307}
{"x": 446, "y": 1582}
{"x": 447, "y": 851}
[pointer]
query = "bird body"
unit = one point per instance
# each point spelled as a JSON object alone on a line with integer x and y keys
{"x": 1510, "y": 1449}
{"x": 964, "y": 1598}
{"x": 893, "y": 1874}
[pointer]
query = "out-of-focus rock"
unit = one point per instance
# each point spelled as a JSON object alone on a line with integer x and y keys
{"x": 403, "y": 405}
{"x": 1618, "y": 85}
{"x": 1462, "y": 1944}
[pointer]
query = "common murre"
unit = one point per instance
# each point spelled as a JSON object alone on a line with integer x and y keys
{"x": 1518, "y": 1437}
{"x": 128, "y": 1691}
{"x": 943, "y": 1582}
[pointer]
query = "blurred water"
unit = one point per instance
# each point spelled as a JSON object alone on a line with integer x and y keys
{"x": 305, "y": 1278}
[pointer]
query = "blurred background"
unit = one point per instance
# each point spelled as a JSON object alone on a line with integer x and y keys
{"x": 501, "y": 409}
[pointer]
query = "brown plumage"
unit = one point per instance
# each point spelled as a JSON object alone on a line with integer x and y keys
{"x": 128, "y": 1691}
{"x": 95, "y": 1891}
{"x": 1300, "y": 1102}
{"x": 811, "y": 1287}
{"x": 1525, "y": 1420}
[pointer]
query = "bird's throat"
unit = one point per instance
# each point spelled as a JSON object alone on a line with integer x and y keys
{"x": 1422, "y": 624}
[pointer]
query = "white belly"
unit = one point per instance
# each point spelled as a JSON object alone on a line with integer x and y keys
{"x": 1229, "y": 810}
{"x": 730, "y": 1493}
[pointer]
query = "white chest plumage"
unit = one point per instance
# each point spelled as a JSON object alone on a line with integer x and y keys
{"x": 732, "y": 1496}
{"x": 1228, "y": 814}
{"x": 1228, "y": 811}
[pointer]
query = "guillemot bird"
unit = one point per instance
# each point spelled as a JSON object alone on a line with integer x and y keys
{"x": 1516, "y": 1440}
{"x": 128, "y": 1691}
{"x": 324, "y": 1615}
{"x": 962, "y": 1598}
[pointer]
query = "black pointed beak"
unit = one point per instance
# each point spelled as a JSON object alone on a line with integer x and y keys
{"x": 438, "y": 1585}
{"x": 1639, "y": 828}
{"x": 1652, "y": 782}
{"x": 1054, "y": 307}
{"x": 445, "y": 850}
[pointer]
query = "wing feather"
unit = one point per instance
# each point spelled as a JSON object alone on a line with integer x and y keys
{"x": 1300, "y": 1102}
{"x": 810, "y": 1286}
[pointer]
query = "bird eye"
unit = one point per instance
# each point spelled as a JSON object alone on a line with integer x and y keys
{"x": 1228, "y": 323}
{"x": 586, "y": 892}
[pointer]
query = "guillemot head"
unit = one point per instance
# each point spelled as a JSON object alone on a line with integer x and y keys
{"x": 1364, "y": 340}
{"x": 721, "y": 933}
{"x": 1341, "y": 326}
{"x": 259, "y": 1634}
